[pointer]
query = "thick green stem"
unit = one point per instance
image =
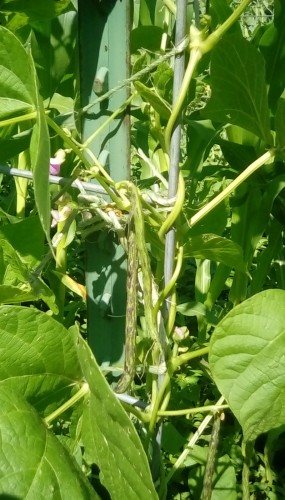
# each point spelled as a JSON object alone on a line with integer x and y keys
{"x": 178, "y": 205}
{"x": 174, "y": 363}
{"x": 191, "y": 411}
{"x": 83, "y": 391}
{"x": 109, "y": 120}
{"x": 157, "y": 401}
{"x": 69, "y": 141}
{"x": 22, "y": 184}
{"x": 208, "y": 44}
{"x": 195, "y": 57}
{"x": 18, "y": 119}
{"x": 231, "y": 187}
{"x": 192, "y": 441}
{"x": 102, "y": 176}
{"x": 140, "y": 415}
{"x": 247, "y": 449}
{"x": 171, "y": 283}
{"x": 184, "y": 358}
{"x": 170, "y": 5}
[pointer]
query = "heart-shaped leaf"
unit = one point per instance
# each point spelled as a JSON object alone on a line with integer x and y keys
{"x": 110, "y": 438}
{"x": 38, "y": 357}
{"x": 213, "y": 247}
{"x": 16, "y": 83}
{"x": 33, "y": 463}
{"x": 238, "y": 87}
{"x": 247, "y": 361}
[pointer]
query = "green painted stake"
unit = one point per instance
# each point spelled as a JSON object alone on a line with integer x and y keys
{"x": 104, "y": 28}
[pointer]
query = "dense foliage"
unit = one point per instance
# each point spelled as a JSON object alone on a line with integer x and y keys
{"x": 205, "y": 349}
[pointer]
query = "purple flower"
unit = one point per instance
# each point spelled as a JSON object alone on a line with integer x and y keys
{"x": 54, "y": 166}
{"x": 55, "y": 163}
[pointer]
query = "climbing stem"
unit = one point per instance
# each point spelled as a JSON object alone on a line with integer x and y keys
{"x": 191, "y": 411}
{"x": 188, "y": 356}
{"x": 232, "y": 186}
{"x": 195, "y": 56}
{"x": 108, "y": 121}
{"x": 83, "y": 391}
{"x": 171, "y": 283}
{"x": 169, "y": 221}
{"x": 210, "y": 42}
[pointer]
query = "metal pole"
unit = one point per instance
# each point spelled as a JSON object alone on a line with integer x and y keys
{"x": 90, "y": 187}
{"x": 104, "y": 29}
{"x": 179, "y": 66}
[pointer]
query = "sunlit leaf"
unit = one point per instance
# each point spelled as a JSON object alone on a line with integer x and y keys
{"x": 15, "y": 144}
{"x": 247, "y": 361}
{"x": 40, "y": 160}
{"x": 272, "y": 46}
{"x": 38, "y": 357}
{"x": 213, "y": 247}
{"x": 15, "y": 295}
{"x": 30, "y": 249}
{"x": 153, "y": 99}
{"x": 238, "y": 87}
{"x": 280, "y": 125}
{"x": 35, "y": 10}
{"x": 72, "y": 285}
{"x": 33, "y": 463}
{"x": 110, "y": 438}
{"x": 16, "y": 83}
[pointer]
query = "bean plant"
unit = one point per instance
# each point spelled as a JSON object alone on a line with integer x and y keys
{"x": 198, "y": 408}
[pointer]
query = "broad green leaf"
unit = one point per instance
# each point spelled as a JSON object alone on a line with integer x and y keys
{"x": 63, "y": 42}
{"x": 61, "y": 103}
{"x": 239, "y": 156}
{"x": 264, "y": 262}
{"x": 253, "y": 205}
{"x": 30, "y": 249}
{"x": 38, "y": 357}
{"x": 163, "y": 81}
{"x": 247, "y": 361}
{"x": 40, "y": 160}
{"x": 197, "y": 309}
{"x": 224, "y": 477}
{"x": 238, "y": 87}
{"x": 280, "y": 125}
{"x": 200, "y": 135}
{"x": 33, "y": 463}
{"x": 15, "y": 295}
{"x": 192, "y": 309}
{"x": 16, "y": 84}
{"x": 147, "y": 12}
{"x": 215, "y": 221}
{"x": 272, "y": 46}
{"x": 148, "y": 37}
{"x": 153, "y": 99}
{"x": 43, "y": 292}
{"x": 53, "y": 43}
{"x": 17, "y": 269}
{"x": 34, "y": 10}
{"x": 224, "y": 481}
{"x": 110, "y": 439}
{"x": 7, "y": 217}
{"x": 172, "y": 440}
{"x": 213, "y": 247}
{"x": 12, "y": 145}
{"x": 27, "y": 285}
{"x": 220, "y": 11}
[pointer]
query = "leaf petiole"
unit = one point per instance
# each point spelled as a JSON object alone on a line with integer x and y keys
{"x": 83, "y": 391}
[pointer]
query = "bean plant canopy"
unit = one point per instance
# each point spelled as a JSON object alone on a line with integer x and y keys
{"x": 142, "y": 284}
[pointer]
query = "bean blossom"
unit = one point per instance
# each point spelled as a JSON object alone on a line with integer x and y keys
{"x": 55, "y": 163}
